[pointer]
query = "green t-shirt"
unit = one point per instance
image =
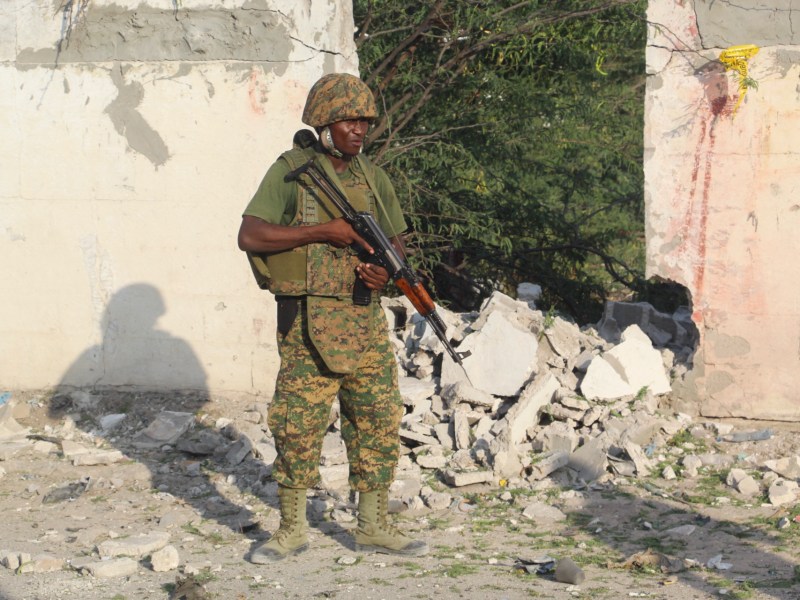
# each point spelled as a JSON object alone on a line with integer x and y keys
{"x": 275, "y": 201}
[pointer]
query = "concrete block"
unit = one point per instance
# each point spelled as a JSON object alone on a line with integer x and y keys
{"x": 603, "y": 382}
{"x": 462, "y": 478}
{"x": 502, "y": 360}
{"x": 640, "y": 365}
{"x": 538, "y": 394}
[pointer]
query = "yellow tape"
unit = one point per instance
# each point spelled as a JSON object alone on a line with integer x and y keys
{"x": 735, "y": 59}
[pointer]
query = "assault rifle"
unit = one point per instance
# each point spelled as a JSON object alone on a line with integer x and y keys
{"x": 385, "y": 255}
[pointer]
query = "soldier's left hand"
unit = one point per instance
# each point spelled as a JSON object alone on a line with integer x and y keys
{"x": 374, "y": 277}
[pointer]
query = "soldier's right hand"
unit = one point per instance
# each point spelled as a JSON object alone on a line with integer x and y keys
{"x": 340, "y": 234}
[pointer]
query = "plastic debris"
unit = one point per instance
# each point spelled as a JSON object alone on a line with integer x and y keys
{"x": 747, "y": 436}
{"x": 716, "y": 563}
{"x": 536, "y": 566}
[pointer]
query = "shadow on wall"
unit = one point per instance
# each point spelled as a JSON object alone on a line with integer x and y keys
{"x": 133, "y": 352}
{"x": 141, "y": 389}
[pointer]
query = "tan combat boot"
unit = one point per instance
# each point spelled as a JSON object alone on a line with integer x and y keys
{"x": 375, "y": 534}
{"x": 291, "y": 536}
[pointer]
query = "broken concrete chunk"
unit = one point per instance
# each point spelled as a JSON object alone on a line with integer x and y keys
{"x": 41, "y": 563}
{"x": 558, "y": 437}
{"x": 462, "y": 392}
{"x": 548, "y": 463}
{"x": 590, "y": 460}
{"x": 503, "y": 356}
{"x": 98, "y": 457}
{"x": 109, "y": 422}
{"x": 564, "y": 338}
{"x": 603, "y": 382}
{"x": 536, "y": 395}
{"x": 461, "y": 430}
{"x": 167, "y": 427}
{"x": 543, "y": 513}
{"x": 691, "y": 463}
{"x": 640, "y": 365}
{"x": 641, "y": 462}
{"x": 462, "y": 478}
{"x": 137, "y": 546}
{"x": 165, "y": 559}
{"x": 787, "y": 467}
{"x": 418, "y": 438}
{"x": 742, "y": 482}
{"x": 414, "y": 390}
{"x": 117, "y": 567}
{"x": 782, "y": 492}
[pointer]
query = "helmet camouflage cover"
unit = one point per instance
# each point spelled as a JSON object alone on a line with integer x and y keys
{"x": 338, "y": 97}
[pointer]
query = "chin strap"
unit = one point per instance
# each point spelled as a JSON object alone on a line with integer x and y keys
{"x": 326, "y": 139}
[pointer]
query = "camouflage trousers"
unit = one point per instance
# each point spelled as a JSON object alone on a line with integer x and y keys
{"x": 370, "y": 406}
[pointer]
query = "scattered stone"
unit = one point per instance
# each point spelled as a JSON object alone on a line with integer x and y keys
{"x": 347, "y": 560}
{"x": 202, "y": 442}
{"x": 115, "y": 567}
{"x": 41, "y": 563}
{"x": 691, "y": 464}
{"x": 165, "y": 559}
{"x": 109, "y": 422}
{"x": 69, "y": 491}
{"x": 567, "y": 571}
{"x": 99, "y": 457}
{"x": 548, "y": 464}
{"x": 462, "y": 478}
{"x": 167, "y": 427}
{"x": 543, "y": 513}
{"x": 668, "y": 473}
{"x": 137, "y": 546}
{"x": 590, "y": 460}
{"x": 787, "y": 467}
{"x": 639, "y": 458}
{"x": 742, "y": 482}
{"x": 782, "y": 492}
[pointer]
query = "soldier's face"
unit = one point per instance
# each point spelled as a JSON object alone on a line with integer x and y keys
{"x": 348, "y": 136}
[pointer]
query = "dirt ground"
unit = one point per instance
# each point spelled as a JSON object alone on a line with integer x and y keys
{"x": 482, "y": 546}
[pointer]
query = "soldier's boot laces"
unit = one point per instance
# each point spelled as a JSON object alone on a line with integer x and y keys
{"x": 375, "y": 534}
{"x": 292, "y": 536}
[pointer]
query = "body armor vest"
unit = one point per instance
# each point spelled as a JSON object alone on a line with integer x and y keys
{"x": 317, "y": 269}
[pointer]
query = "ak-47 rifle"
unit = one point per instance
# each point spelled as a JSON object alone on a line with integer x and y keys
{"x": 385, "y": 255}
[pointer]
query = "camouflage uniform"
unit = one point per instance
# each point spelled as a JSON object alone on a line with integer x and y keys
{"x": 371, "y": 408}
{"x": 333, "y": 346}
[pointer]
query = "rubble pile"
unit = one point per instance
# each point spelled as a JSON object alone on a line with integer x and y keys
{"x": 537, "y": 395}
{"x": 538, "y": 402}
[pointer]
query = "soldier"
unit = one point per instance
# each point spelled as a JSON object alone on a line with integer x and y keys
{"x": 302, "y": 251}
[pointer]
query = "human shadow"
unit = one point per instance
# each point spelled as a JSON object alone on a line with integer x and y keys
{"x": 144, "y": 391}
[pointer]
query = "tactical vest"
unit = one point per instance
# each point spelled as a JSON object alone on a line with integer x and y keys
{"x": 317, "y": 269}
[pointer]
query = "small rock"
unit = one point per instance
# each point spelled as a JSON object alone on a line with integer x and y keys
{"x": 165, "y": 559}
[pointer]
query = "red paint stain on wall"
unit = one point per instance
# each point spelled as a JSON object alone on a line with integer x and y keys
{"x": 693, "y": 230}
{"x": 256, "y": 92}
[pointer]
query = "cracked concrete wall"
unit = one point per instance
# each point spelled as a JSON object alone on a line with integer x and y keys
{"x": 721, "y": 191}
{"x": 133, "y": 135}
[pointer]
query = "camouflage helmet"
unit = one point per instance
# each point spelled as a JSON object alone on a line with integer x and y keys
{"x": 338, "y": 97}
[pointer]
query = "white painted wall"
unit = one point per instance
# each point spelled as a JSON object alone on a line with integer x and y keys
{"x": 124, "y": 169}
{"x": 722, "y": 197}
